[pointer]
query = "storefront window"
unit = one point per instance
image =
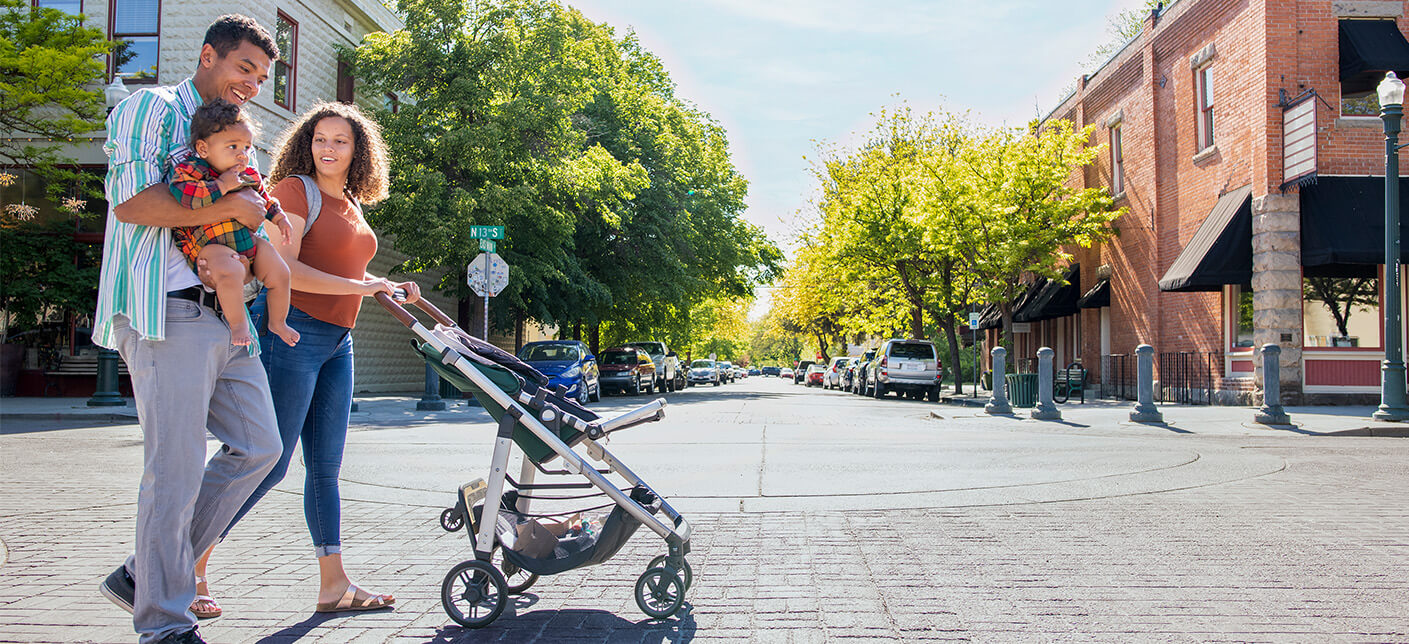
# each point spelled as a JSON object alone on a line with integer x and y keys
{"x": 1242, "y": 336}
{"x": 1341, "y": 311}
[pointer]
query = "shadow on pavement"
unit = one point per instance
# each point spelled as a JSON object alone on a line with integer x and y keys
{"x": 298, "y": 631}
{"x": 575, "y": 625}
{"x": 14, "y": 427}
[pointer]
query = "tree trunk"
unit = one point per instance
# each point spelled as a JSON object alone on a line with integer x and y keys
{"x": 951, "y": 333}
{"x": 577, "y": 330}
{"x": 1008, "y": 338}
{"x": 917, "y": 322}
{"x": 463, "y": 308}
{"x": 596, "y": 338}
{"x": 518, "y": 330}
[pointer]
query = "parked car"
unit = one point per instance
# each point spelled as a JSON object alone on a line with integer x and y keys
{"x": 704, "y": 372}
{"x": 567, "y": 363}
{"x": 785, "y": 373}
{"x": 815, "y": 376}
{"x": 726, "y": 371}
{"x": 863, "y": 368}
{"x": 832, "y": 378}
{"x": 740, "y": 373}
{"x": 669, "y": 375}
{"x": 800, "y": 371}
{"x": 628, "y": 369}
{"x": 755, "y": 372}
{"x": 770, "y": 371}
{"x": 907, "y": 367}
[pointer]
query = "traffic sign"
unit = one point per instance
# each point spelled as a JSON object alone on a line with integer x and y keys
{"x": 486, "y": 232}
{"x": 973, "y": 320}
{"x": 487, "y": 245}
{"x": 488, "y": 274}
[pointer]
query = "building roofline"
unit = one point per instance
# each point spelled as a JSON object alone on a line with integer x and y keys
{"x": 1086, "y": 79}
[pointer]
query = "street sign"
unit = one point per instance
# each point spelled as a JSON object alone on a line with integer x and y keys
{"x": 486, "y": 232}
{"x": 488, "y": 275}
{"x": 973, "y": 320}
{"x": 487, "y": 245}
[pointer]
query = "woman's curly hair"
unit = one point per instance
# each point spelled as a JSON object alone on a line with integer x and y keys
{"x": 366, "y": 177}
{"x": 213, "y": 117}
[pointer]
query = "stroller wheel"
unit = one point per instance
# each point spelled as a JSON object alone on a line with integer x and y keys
{"x": 473, "y": 594}
{"x": 659, "y": 593}
{"x": 517, "y": 579}
{"x": 451, "y": 520}
{"x": 687, "y": 576}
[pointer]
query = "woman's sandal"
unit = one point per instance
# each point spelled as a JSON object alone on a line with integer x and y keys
{"x": 204, "y": 606}
{"x": 350, "y": 602}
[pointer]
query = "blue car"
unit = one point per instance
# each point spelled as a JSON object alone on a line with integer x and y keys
{"x": 568, "y": 363}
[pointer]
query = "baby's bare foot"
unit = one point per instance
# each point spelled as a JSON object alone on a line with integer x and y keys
{"x": 285, "y": 332}
{"x": 240, "y": 336}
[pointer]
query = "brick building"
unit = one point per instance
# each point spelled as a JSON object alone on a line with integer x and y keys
{"x": 1243, "y": 140}
{"x": 165, "y": 37}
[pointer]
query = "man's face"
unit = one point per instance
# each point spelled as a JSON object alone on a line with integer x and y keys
{"x": 237, "y": 76}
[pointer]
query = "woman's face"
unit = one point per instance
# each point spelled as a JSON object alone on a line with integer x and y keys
{"x": 333, "y": 147}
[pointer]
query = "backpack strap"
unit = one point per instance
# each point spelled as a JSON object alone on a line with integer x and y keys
{"x": 315, "y": 201}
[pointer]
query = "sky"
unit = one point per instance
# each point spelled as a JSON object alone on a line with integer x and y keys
{"x": 786, "y": 76}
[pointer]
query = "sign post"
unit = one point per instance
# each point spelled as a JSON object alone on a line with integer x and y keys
{"x": 978, "y": 357}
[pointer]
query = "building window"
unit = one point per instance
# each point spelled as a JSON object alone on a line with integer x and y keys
{"x": 391, "y": 103}
{"x": 286, "y": 68}
{"x": 71, "y": 7}
{"x": 1117, "y": 162}
{"x": 1203, "y": 90}
{"x": 136, "y": 24}
{"x": 347, "y": 87}
{"x": 1341, "y": 311}
{"x": 1241, "y": 317}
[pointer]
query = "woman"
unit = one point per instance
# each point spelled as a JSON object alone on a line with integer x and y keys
{"x": 342, "y": 149}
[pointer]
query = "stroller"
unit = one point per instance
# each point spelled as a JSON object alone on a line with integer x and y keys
{"x": 545, "y": 426}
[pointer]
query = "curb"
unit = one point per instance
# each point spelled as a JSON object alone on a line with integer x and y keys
{"x": 70, "y": 416}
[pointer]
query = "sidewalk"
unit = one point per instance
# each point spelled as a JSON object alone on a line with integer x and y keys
{"x": 1200, "y": 419}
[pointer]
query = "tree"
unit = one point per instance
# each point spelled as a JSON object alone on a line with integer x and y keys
{"x": 1022, "y": 211}
{"x": 51, "y": 69}
{"x": 1341, "y": 296}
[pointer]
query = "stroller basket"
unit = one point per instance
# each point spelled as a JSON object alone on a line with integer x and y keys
{"x": 573, "y": 552}
{"x": 543, "y": 425}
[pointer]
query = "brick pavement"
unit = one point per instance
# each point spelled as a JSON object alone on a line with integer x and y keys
{"x": 1317, "y": 551}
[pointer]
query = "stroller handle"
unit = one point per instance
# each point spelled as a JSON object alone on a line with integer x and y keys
{"x": 395, "y": 308}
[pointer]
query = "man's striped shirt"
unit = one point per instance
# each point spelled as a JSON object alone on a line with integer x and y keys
{"x": 148, "y": 134}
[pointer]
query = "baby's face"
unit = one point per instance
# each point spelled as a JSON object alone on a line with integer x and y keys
{"x": 228, "y": 148}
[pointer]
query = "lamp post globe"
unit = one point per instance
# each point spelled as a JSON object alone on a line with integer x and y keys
{"x": 1393, "y": 405}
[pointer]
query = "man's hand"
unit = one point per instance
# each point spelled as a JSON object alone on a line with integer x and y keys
{"x": 286, "y": 230}
{"x": 244, "y": 206}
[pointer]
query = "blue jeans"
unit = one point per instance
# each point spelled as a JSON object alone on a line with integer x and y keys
{"x": 312, "y": 388}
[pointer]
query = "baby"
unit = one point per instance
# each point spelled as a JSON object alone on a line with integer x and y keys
{"x": 223, "y": 137}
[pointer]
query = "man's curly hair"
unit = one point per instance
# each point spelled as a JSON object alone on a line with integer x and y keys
{"x": 214, "y": 117}
{"x": 366, "y": 177}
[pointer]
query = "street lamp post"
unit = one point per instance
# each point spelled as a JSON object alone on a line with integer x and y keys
{"x": 107, "y": 392}
{"x": 1392, "y": 388}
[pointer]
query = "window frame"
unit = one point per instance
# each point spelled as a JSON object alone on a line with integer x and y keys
{"x": 34, "y": 4}
{"x": 113, "y": 35}
{"x": 393, "y": 102}
{"x": 1117, "y": 160}
{"x": 291, "y": 93}
{"x": 346, "y": 81}
{"x": 1203, "y": 104}
{"x": 1234, "y": 299}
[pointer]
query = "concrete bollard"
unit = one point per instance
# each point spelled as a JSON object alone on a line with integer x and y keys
{"x": 1145, "y": 411}
{"x": 1046, "y": 408}
{"x": 1271, "y": 412}
{"x": 998, "y": 404}
{"x": 430, "y": 400}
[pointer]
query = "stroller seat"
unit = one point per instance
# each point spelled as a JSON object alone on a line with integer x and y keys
{"x": 573, "y": 552}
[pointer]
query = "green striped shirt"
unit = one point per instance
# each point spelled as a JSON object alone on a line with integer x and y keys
{"x": 147, "y": 136}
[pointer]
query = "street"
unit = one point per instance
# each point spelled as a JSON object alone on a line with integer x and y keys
{"x": 819, "y": 516}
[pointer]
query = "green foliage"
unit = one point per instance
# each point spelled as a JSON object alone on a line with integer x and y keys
{"x": 51, "y": 70}
{"x": 46, "y": 273}
{"x": 620, "y": 201}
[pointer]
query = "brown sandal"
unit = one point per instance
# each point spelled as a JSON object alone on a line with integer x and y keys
{"x": 350, "y": 602}
{"x": 204, "y": 606}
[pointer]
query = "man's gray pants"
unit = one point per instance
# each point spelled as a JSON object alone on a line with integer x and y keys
{"x": 193, "y": 380}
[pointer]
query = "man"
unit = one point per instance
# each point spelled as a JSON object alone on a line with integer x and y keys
{"x": 186, "y": 376}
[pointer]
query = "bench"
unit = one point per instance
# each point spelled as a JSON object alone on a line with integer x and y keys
{"x": 1070, "y": 380}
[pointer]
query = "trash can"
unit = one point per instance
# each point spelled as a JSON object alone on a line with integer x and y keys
{"x": 1022, "y": 389}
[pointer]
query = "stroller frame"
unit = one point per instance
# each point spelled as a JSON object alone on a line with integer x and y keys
{"x": 483, "y": 582}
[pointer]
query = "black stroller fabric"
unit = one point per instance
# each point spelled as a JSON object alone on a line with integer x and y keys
{"x": 582, "y": 550}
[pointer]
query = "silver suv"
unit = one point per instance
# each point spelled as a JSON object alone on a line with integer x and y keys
{"x": 907, "y": 367}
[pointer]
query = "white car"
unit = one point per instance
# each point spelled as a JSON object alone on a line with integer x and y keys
{"x": 832, "y": 378}
{"x": 787, "y": 372}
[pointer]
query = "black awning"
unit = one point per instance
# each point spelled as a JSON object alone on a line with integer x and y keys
{"x": 992, "y": 316}
{"x": 1220, "y": 252}
{"x": 1056, "y": 299}
{"x": 1099, "y": 296}
{"x": 1369, "y": 48}
{"x": 1343, "y": 225}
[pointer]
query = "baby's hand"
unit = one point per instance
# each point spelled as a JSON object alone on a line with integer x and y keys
{"x": 286, "y": 230}
{"x": 230, "y": 179}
